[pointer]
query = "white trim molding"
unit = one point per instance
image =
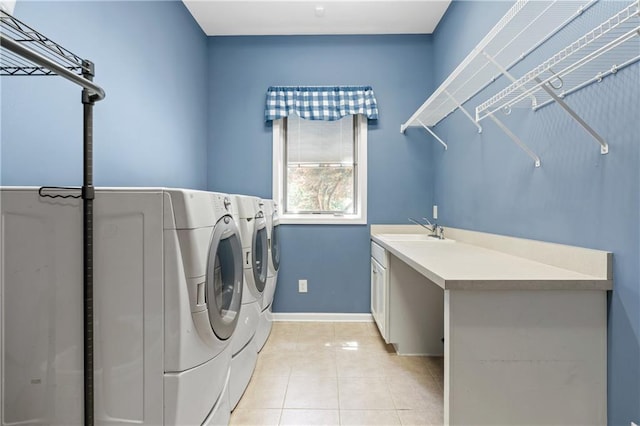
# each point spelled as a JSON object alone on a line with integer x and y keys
{"x": 359, "y": 218}
{"x": 321, "y": 317}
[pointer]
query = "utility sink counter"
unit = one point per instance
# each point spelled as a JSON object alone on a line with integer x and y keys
{"x": 522, "y": 324}
{"x": 454, "y": 264}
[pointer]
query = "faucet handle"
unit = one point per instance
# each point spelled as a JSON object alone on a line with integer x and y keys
{"x": 428, "y": 221}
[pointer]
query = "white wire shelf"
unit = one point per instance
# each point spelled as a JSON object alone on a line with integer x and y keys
{"x": 527, "y": 25}
{"x": 601, "y": 52}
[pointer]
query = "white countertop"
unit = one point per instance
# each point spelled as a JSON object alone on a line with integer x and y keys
{"x": 462, "y": 266}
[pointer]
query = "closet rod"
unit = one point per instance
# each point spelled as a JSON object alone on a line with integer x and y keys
{"x": 43, "y": 61}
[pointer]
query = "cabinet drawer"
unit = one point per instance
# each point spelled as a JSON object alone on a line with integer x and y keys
{"x": 379, "y": 253}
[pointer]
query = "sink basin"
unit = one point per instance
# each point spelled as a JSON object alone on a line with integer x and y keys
{"x": 413, "y": 237}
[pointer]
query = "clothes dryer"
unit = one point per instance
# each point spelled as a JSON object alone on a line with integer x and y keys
{"x": 265, "y": 321}
{"x": 197, "y": 343}
{"x": 167, "y": 293}
{"x": 252, "y": 225}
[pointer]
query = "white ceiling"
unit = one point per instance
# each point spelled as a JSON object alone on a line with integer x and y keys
{"x": 298, "y": 17}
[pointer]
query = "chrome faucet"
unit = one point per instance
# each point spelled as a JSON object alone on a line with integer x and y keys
{"x": 436, "y": 230}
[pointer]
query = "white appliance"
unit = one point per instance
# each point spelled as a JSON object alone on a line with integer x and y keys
{"x": 253, "y": 230}
{"x": 198, "y": 342}
{"x": 167, "y": 293}
{"x": 265, "y": 321}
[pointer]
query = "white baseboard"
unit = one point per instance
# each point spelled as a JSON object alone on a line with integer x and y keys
{"x": 321, "y": 317}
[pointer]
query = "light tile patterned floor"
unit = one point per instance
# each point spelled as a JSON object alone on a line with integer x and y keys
{"x": 339, "y": 374}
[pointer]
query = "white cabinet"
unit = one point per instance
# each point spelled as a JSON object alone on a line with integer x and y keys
{"x": 524, "y": 324}
{"x": 380, "y": 289}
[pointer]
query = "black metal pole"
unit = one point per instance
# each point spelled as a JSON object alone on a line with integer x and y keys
{"x": 88, "y": 194}
{"x": 90, "y": 94}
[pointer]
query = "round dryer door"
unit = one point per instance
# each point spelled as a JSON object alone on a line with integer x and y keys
{"x": 260, "y": 252}
{"x": 275, "y": 244}
{"x": 224, "y": 278}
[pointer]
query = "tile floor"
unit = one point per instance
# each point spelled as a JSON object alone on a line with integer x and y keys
{"x": 339, "y": 374}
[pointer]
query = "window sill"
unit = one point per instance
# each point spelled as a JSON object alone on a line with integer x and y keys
{"x": 305, "y": 219}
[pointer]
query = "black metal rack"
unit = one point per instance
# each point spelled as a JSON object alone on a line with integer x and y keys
{"x": 26, "y": 52}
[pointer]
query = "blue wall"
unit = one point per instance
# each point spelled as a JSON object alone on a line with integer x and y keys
{"x": 484, "y": 182}
{"x": 149, "y": 131}
{"x": 334, "y": 259}
{"x": 184, "y": 110}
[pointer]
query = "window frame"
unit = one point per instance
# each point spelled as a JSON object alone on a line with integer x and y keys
{"x": 279, "y": 163}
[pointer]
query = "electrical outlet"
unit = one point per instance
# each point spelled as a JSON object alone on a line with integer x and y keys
{"x": 302, "y": 286}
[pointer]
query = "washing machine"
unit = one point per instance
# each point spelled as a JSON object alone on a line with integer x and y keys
{"x": 167, "y": 297}
{"x": 200, "y": 322}
{"x": 253, "y": 231}
{"x": 265, "y": 321}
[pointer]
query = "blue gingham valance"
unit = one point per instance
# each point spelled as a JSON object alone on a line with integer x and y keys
{"x": 328, "y": 103}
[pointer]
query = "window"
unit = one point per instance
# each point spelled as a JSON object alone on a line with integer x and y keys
{"x": 320, "y": 160}
{"x": 319, "y": 170}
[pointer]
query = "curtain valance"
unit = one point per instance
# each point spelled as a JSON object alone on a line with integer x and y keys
{"x": 328, "y": 103}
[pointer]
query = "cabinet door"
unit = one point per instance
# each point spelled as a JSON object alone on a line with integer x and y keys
{"x": 378, "y": 296}
{"x": 374, "y": 289}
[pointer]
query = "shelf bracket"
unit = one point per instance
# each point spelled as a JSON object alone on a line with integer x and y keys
{"x": 534, "y": 101}
{"x": 604, "y": 146}
{"x": 517, "y": 140}
{"x": 433, "y": 134}
{"x": 459, "y": 105}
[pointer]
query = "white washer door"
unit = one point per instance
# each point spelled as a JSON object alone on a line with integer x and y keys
{"x": 260, "y": 255}
{"x": 224, "y": 278}
{"x": 275, "y": 242}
